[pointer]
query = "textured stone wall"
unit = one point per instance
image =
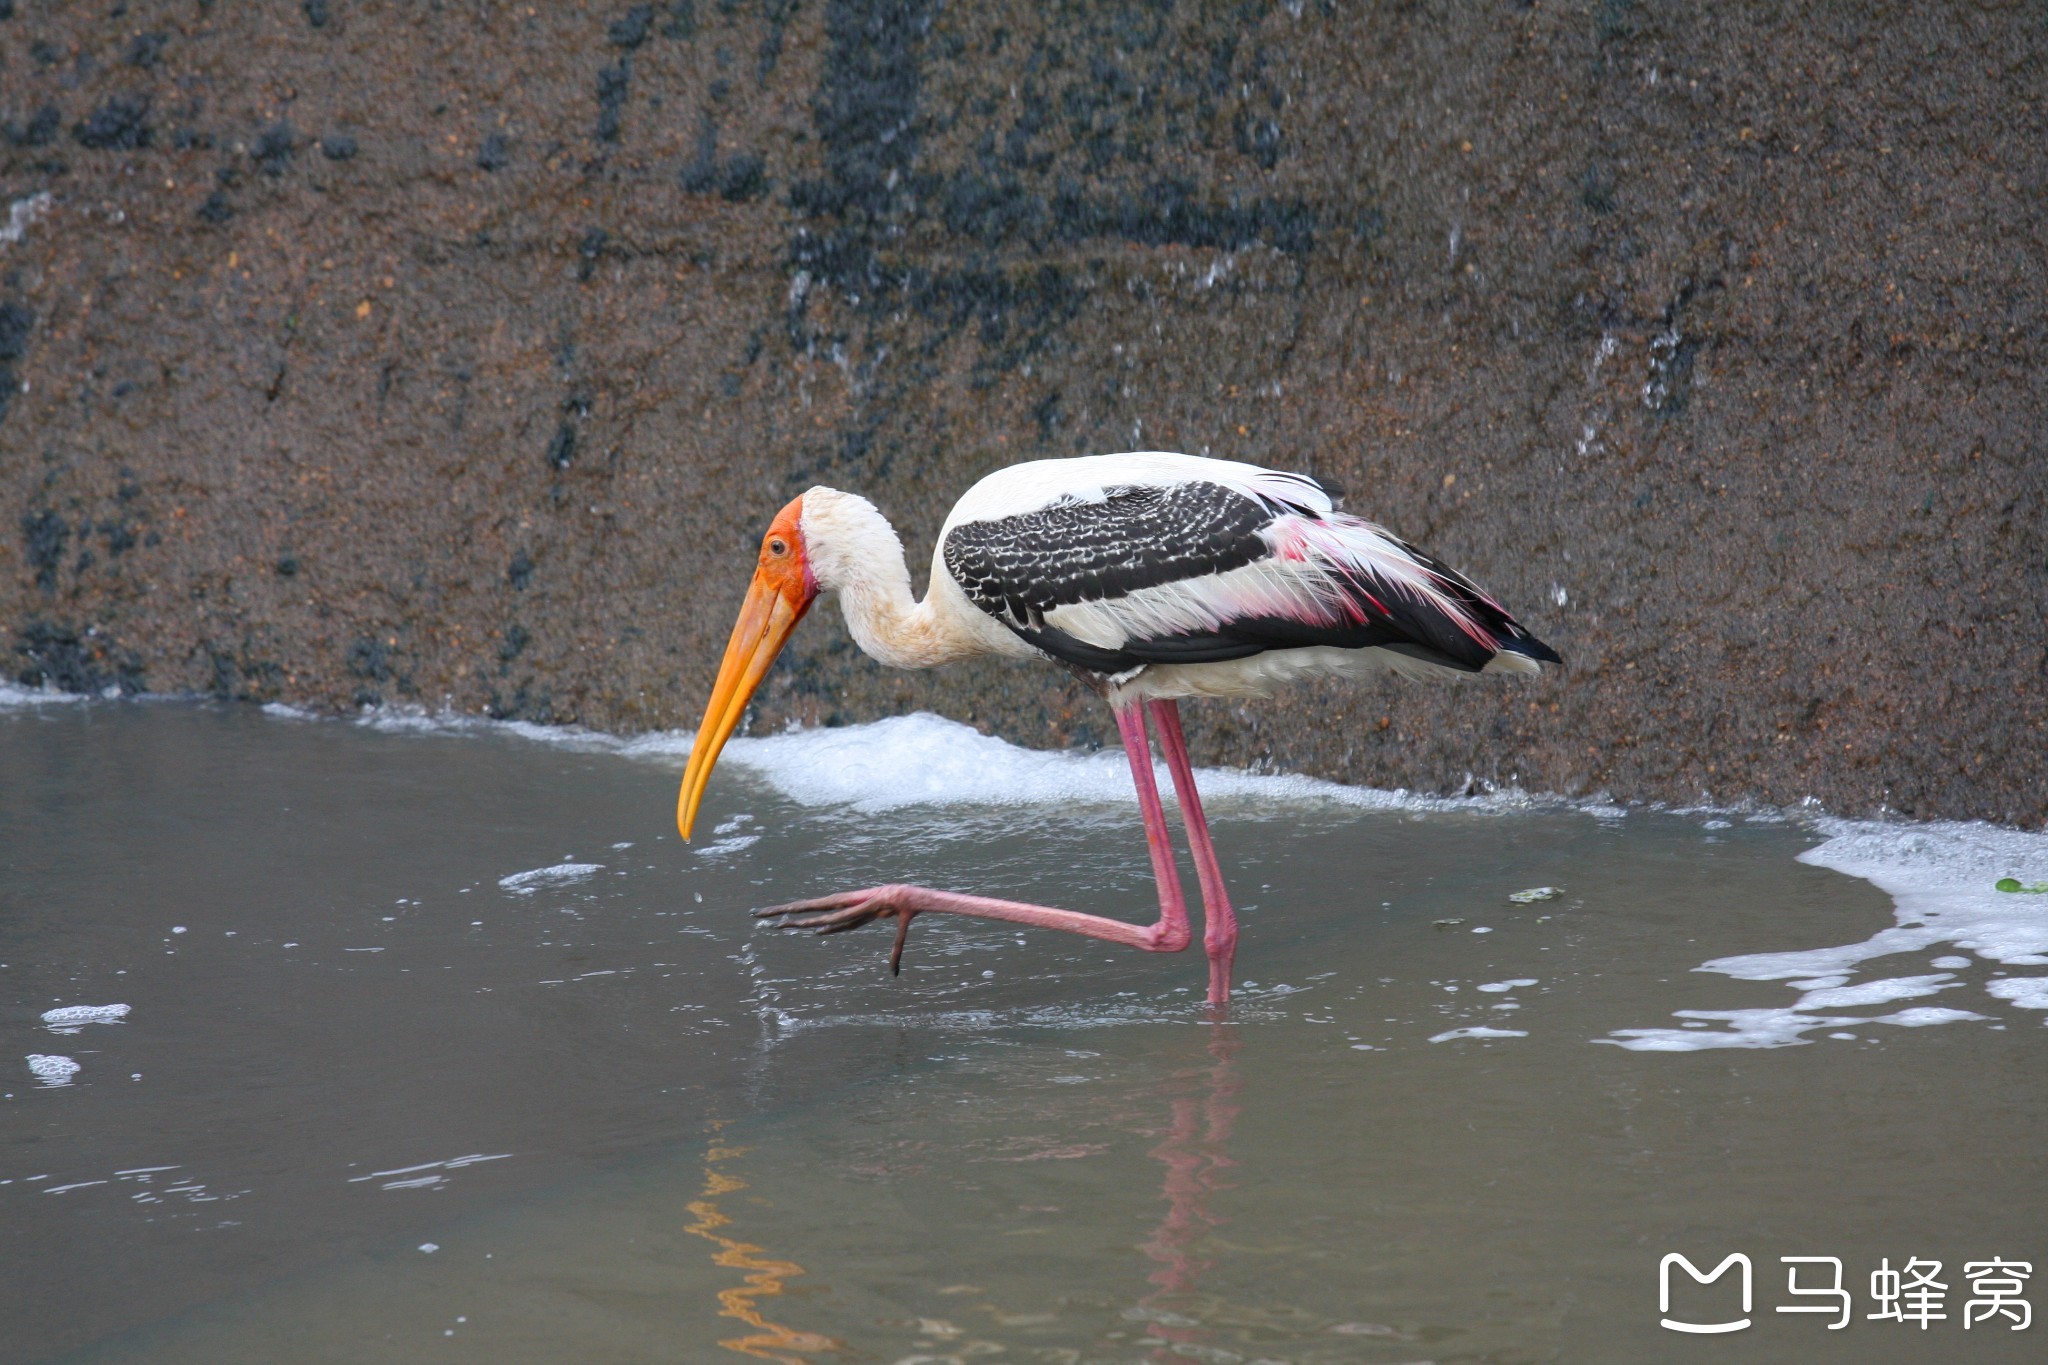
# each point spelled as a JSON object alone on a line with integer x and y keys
{"x": 457, "y": 353}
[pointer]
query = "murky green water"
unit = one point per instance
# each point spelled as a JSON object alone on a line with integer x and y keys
{"x": 369, "y": 1103}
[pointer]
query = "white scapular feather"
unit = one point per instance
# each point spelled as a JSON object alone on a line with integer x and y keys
{"x": 1027, "y": 487}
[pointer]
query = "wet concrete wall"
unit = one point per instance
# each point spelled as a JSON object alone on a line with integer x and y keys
{"x": 456, "y": 354}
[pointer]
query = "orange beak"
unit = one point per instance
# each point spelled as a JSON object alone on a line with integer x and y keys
{"x": 782, "y": 591}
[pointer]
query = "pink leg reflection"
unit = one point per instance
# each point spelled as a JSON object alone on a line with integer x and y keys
{"x": 1194, "y": 1155}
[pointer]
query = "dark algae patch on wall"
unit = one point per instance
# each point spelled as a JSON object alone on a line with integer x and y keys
{"x": 1709, "y": 339}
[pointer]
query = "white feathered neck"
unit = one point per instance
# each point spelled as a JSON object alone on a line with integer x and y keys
{"x": 854, "y": 551}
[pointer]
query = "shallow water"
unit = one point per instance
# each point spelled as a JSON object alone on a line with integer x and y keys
{"x": 440, "y": 1045}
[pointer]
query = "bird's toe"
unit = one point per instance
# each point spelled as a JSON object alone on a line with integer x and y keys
{"x": 847, "y": 910}
{"x": 836, "y": 901}
{"x": 842, "y": 921}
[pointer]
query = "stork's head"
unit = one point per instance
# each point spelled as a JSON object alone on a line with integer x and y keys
{"x": 783, "y": 589}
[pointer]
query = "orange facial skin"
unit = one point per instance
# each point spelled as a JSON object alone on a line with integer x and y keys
{"x": 782, "y": 591}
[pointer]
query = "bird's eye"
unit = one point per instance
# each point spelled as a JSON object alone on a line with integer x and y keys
{"x": 778, "y": 546}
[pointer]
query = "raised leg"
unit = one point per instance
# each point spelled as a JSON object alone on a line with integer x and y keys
{"x": 851, "y": 909}
{"x": 1219, "y": 921}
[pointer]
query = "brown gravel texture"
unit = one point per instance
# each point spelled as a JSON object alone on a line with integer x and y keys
{"x": 456, "y": 355}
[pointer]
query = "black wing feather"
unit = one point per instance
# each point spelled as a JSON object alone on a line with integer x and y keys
{"x": 1072, "y": 550}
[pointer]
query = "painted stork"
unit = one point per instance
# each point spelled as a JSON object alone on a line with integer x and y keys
{"x": 1154, "y": 577}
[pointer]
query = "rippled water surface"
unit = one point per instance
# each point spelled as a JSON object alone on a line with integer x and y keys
{"x": 439, "y": 1045}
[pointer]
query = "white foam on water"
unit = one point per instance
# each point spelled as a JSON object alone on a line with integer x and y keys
{"x": 732, "y": 837}
{"x": 2027, "y": 992}
{"x": 1942, "y": 880}
{"x": 1925, "y": 1015}
{"x": 1874, "y": 992}
{"x": 72, "y": 1018}
{"x": 52, "y": 1071}
{"x": 1745, "y": 1028}
{"x": 427, "y": 1174}
{"x": 412, "y": 720}
{"x": 927, "y": 760}
{"x": 930, "y": 761}
{"x": 1478, "y": 1031}
{"x": 13, "y": 696}
{"x": 561, "y": 874}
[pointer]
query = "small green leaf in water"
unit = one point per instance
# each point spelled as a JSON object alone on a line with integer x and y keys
{"x": 2013, "y": 884}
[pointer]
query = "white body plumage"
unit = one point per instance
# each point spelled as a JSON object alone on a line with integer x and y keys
{"x": 1142, "y": 568}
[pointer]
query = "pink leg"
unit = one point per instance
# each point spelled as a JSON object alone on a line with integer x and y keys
{"x": 850, "y": 909}
{"x": 1219, "y": 929}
